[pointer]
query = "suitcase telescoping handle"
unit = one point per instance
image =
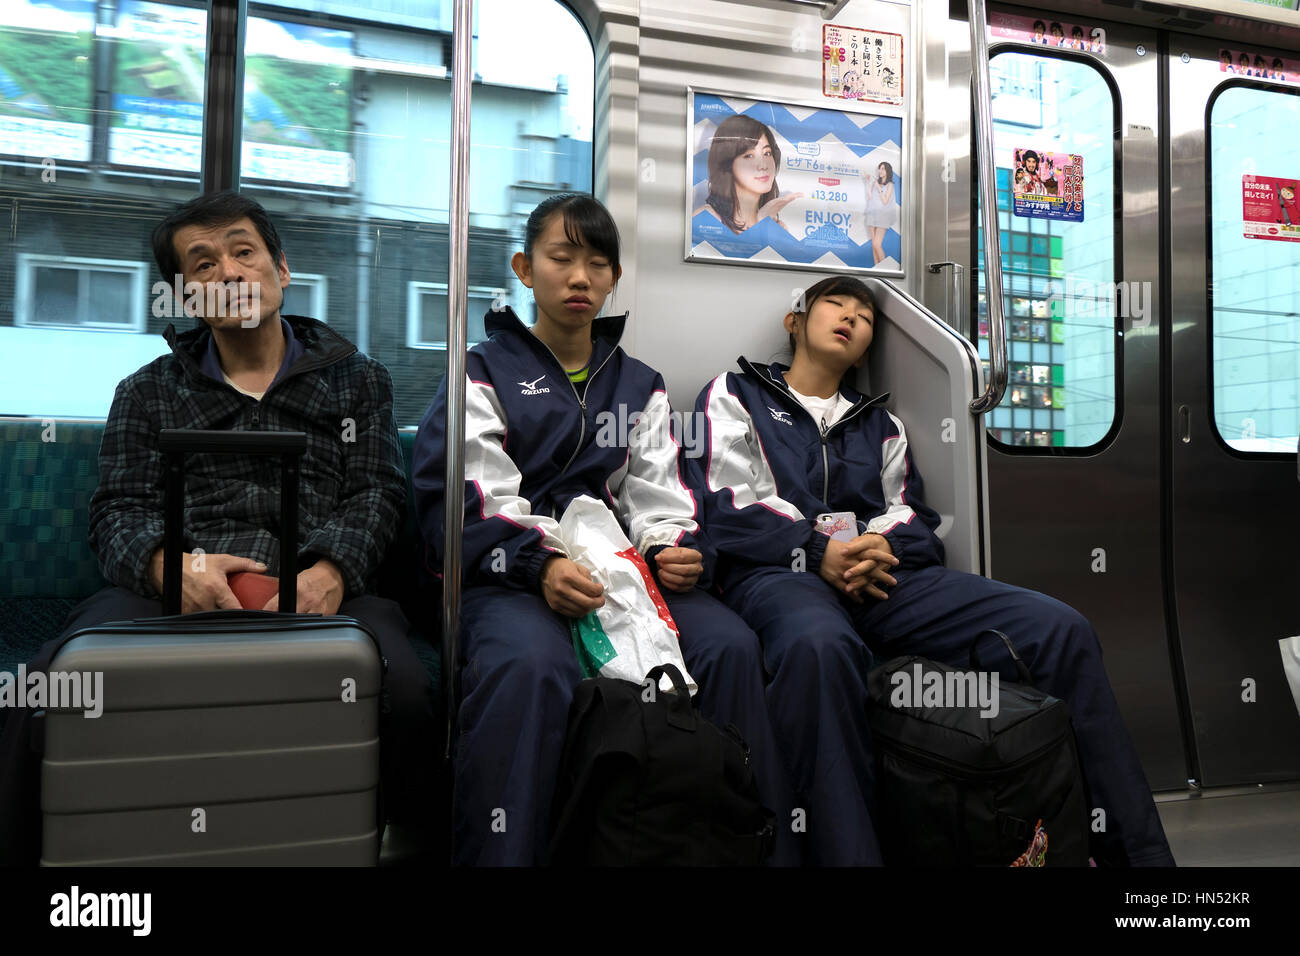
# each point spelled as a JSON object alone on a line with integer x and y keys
{"x": 1021, "y": 670}
{"x": 175, "y": 444}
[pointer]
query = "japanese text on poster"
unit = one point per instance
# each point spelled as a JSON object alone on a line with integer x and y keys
{"x": 862, "y": 64}
{"x": 1047, "y": 185}
{"x": 1269, "y": 208}
{"x": 789, "y": 185}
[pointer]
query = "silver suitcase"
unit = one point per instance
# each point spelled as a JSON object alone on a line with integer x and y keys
{"x": 225, "y": 738}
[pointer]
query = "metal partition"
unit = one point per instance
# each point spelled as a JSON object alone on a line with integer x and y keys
{"x": 932, "y": 375}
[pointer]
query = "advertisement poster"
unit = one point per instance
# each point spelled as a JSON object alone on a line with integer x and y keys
{"x": 1270, "y": 208}
{"x": 1241, "y": 63}
{"x": 297, "y": 103}
{"x": 780, "y": 184}
{"x": 46, "y": 92}
{"x": 1057, "y": 34}
{"x": 862, "y": 65}
{"x": 1047, "y": 185}
{"x": 297, "y": 96}
{"x": 157, "y": 115}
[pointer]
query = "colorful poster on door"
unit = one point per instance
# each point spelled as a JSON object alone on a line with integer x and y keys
{"x": 1047, "y": 184}
{"x": 779, "y": 184}
{"x": 1270, "y": 208}
{"x": 862, "y": 64}
{"x": 1258, "y": 65}
{"x": 1056, "y": 34}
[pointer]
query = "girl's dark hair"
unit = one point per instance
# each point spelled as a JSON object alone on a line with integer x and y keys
{"x": 1040, "y": 25}
{"x": 586, "y": 223}
{"x": 834, "y": 285}
{"x": 1260, "y": 61}
{"x": 211, "y": 209}
{"x": 1056, "y": 26}
{"x": 735, "y": 136}
{"x": 889, "y": 173}
{"x": 1076, "y": 32}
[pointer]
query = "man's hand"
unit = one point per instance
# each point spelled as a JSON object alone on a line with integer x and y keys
{"x": 320, "y": 590}
{"x": 872, "y": 558}
{"x": 203, "y": 579}
{"x": 835, "y": 566}
{"x": 679, "y": 568}
{"x": 569, "y": 588}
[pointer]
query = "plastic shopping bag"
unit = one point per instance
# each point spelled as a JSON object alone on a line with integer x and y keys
{"x": 634, "y": 631}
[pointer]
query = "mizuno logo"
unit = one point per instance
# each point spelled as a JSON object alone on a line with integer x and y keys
{"x": 530, "y": 388}
{"x": 780, "y": 416}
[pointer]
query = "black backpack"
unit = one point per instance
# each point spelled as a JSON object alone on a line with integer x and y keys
{"x": 955, "y": 788}
{"x": 646, "y": 781}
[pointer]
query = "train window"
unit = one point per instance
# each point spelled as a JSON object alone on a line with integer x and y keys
{"x": 62, "y": 292}
{"x": 1058, "y": 263}
{"x": 1254, "y": 139}
{"x": 346, "y": 141}
{"x": 426, "y": 313}
{"x": 101, "y": 108}
{"x": 307, "y": 294}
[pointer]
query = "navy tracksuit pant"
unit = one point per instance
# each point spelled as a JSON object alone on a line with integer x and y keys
{"x": 813, "y": 646}
{"x": 407, "y": 723}
{"x": 519, "y": 672}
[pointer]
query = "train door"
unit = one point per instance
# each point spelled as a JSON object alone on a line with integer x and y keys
{"x": 1142, "y": 465}
{"x": 1233, "y": 356}
{"x": 1078, "y": 447}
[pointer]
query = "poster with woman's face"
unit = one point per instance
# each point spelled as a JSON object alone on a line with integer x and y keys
{"x": 779, "y": 184}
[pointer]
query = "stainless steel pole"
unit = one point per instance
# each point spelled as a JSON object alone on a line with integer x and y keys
{"x": 979, "y": 60}
{"x": 457, "y": 308}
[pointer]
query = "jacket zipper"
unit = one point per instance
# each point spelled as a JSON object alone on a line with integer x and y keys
{"x": 582, "y": 404}
{"x": 824, "y": 434}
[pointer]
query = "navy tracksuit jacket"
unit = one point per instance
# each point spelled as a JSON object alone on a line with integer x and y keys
{"x": 532, "y": 445}
{"x": 767, "y": 472}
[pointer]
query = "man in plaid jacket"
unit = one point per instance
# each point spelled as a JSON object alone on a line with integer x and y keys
{"x": 247, "y": 368}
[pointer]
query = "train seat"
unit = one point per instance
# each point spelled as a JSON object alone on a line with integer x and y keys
{"x": 48, "y": 566}
{"x": 932, "y": 373}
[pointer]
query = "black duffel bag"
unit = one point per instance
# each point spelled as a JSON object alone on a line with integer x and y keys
{"x": 646, "y": 781}
{"x": 954, "y": 788}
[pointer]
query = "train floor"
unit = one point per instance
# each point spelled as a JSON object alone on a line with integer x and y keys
{"x": 1233, "y": 826}
{"x": 1227, "y": 826}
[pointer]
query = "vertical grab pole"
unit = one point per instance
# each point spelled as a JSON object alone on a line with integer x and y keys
{"x": 457, "y": 307}
{"x": 979, "y": 56}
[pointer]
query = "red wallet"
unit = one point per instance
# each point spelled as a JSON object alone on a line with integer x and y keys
{"x": 253, "y": 590}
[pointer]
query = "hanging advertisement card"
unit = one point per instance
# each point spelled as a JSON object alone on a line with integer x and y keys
{"x": 1269, "y": 208}
{"x": 1047, "y": 185}
{"x": 862, "y": 64}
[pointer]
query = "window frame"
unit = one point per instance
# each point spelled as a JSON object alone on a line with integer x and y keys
{"x": 414, "y": 289}
{"x": 25, "y": 284}
{"x": 1231, "y": 83}
{"x": 1117, "y": 224}
{"x": 318, "y": 284}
